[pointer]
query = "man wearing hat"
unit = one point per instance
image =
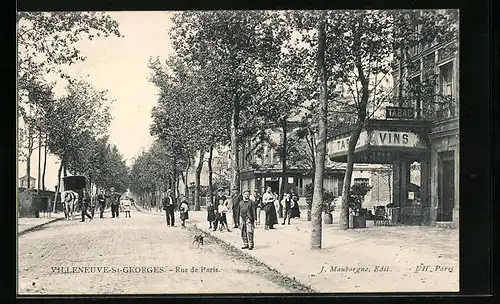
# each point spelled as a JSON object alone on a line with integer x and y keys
{"x": 169, "y": 207}
{"x": 115, "y": 203}
{"x": 220, "y": 195}
{"x": 101, "y": 202}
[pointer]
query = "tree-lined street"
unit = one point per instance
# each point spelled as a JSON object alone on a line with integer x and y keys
{"x": 280, "y": 102}
{"x": 144, "y": 241}
{"x": 128, "y": 246}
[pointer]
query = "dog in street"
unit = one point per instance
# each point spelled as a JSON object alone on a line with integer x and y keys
{"x": 198, "y": 239}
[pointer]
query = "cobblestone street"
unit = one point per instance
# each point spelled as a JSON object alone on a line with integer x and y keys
{"x": 131, "y": 248}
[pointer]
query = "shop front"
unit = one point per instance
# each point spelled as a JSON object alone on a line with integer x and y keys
{"x": 399, "y": 143}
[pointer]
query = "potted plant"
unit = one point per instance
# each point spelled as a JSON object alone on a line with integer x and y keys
{"x": 357, "y": 218}
{"x": 328, "y": 207}
{"x": 309, "y": 194}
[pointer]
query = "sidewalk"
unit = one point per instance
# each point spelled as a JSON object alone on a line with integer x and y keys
{"x": 374, "y": 259}
{"x": 25, "y": 225}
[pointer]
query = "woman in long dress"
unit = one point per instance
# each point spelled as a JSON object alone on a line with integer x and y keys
{"x": 295, "y": 209}
{"x": 183, "y": 209}
{"x": 268, "y": 200}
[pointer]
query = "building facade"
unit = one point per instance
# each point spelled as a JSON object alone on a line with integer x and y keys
{"x": 434, "y": 69}
{"x": 420, "y": 131}
{"x": 23, "y": 182}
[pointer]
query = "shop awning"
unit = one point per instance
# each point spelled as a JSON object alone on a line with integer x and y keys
{"x": 382, "y": 141}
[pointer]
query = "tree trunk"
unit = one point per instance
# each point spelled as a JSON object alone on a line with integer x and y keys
{"x": 28, "y": 159}
{"x": 284, "y": 179}
{"x": 58, "y": 186}
{"x": 177, "y": 182}
{"x": 199, "y": 167}
{"x": 186, "y": 190}
{"x": 400, "y": 76}
{"x": 44, "y": 163}
{"x": 39, "y": 176}
{"x": 353, "y": 140}
{"x": 210, "y": 176}
{"x": 317, "y": 203}
{"x": 174, "y": 177}
{"x": 235, "y": 168}
{"x": 344, "y": 215}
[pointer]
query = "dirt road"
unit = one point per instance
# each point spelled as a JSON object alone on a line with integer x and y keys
{"x": 135, "y": 255}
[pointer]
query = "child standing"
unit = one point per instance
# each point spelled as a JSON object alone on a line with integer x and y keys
{"x": 221, "y": 214}
{"x": 183, "y": 209}
{"x": 126, "y": 203}
{"x": 211, "y": 215}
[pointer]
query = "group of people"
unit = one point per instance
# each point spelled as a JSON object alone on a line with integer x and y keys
{"x": 117, "y": 202}
{"x": 246, "y": 212}
{"x": 169, "y": 206}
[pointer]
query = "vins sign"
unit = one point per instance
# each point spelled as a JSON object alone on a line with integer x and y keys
{"x": 399, "y": 112}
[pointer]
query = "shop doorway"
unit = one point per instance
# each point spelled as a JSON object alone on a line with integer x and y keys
{"x": 274, "y": 184}
{"x": 446, "y": 175}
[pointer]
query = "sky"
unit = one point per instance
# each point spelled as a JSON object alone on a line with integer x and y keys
{"x": 120, "y": 65}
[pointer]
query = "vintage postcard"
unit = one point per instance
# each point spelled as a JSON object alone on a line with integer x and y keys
{"x": 255, "y": 152}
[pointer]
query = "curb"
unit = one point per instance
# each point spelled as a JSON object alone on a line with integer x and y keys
{"x": 31, "y": 229}
{"x": 286, "y": 279}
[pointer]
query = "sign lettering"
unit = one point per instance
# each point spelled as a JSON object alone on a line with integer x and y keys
{"x": 399, "y": 112}
{"x": 342, "y": 144}
{"x": 395, "y": 139}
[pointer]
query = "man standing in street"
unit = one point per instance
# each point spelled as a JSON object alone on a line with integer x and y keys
{"x": 169, "y": 207}
{"x": 101, "y": 202}
{"x": 235, "y": 202}
{"x": 115, "y": 204}
{"x": 217, "y": 200}
{"x": 247, "y": 220}
{"x": 85, "y": 204}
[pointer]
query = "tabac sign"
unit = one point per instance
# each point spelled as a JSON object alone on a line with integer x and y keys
{"x": 399, "y": 113}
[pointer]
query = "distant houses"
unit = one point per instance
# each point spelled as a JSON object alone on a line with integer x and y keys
{"x": 23, "y": 182}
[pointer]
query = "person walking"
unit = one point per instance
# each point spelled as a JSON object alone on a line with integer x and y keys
{"x": 115, "y": 204}
{"x": 101, "y": 203}
{"x": 268, "y": 200}
{"x": 125, "y": 205}
{"x": 169, "y": 207}
{"x": 85, "y": 205}
{"x": 286, "y": 204}
{"x": 183, "y": 209}
{"x": 247, "y": 220}
{"x": 235, "y": 203}
{"x": 258, "y": 206}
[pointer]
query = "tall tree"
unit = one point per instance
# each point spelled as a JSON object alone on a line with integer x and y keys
{"x": 83, "y": 113}
{"x": 370, "y": 41}
{"x": 230, "y": 46}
